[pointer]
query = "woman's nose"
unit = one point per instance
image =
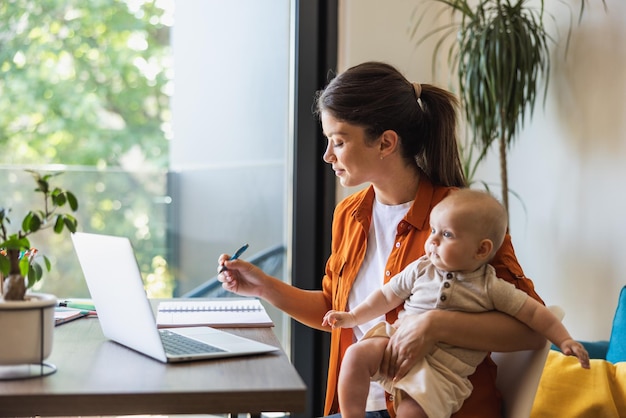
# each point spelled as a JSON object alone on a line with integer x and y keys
{"x": 328, "y": 155}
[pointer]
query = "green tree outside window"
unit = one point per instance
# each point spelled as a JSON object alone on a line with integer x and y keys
{"x": 87, "y": 84}
{"x": 84, "y": 82}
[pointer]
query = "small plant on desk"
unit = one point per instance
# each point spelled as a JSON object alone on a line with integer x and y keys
{"x": 19, "y": 269}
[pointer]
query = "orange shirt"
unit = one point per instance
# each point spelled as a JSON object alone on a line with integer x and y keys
{"x": 351, "y": 223}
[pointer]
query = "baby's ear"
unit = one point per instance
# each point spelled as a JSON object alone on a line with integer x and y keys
{"x": 484, "y": 249}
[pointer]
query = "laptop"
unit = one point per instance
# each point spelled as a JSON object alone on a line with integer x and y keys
{"x": 125, "y": 314}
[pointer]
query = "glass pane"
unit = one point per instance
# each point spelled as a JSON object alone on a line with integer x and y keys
{"x": 230, "y": 156}
{"x": 114, "y": 202}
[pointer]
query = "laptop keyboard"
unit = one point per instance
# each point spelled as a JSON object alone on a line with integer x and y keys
{"x": 177, "y": 344}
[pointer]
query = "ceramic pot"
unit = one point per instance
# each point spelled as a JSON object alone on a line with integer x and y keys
{"x": 26, "y": 329}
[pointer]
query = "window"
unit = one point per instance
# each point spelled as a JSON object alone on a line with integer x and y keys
{"x": 209, "y": 167}
{"x": 85, "y": 88}
{"x": 171, "y": 125}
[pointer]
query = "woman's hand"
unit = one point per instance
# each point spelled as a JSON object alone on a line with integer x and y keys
{"x": 241, "y": 277}
{"x": 487, "y": 331}
{"x": 413, "y": 339}
{"x": 246, "y": 279}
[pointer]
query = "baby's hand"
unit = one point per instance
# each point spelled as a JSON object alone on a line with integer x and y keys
{"x": 338, "y": 319}
{"x": 574, "y": 348}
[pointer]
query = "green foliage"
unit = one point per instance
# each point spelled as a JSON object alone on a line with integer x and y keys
{"x": 17, "y": 256}
{"x": 83, "y": 82}
{"x": 503, "y": 51}
{"x": 500, "y": 54}
{"x": 87, "y": 83}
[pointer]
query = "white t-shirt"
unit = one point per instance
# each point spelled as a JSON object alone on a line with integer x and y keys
{"x": 380, "y": 241}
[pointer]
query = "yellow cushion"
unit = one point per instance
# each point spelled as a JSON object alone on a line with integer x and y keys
{"x": 568, "y": 390}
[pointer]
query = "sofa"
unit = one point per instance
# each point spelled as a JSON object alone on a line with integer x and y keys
{"x": 567, "y": 390}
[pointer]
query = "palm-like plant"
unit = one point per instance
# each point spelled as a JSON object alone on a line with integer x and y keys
{"x": 501, "y": 56}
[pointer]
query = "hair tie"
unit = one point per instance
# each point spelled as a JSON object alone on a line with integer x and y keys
{"x": 418, "y": 90}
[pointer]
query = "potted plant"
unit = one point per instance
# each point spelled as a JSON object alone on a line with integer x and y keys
{"x": 500, "y": 53}
{"x": 27, "y": 319}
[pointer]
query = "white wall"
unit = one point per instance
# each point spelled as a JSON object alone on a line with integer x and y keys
{"x": 567, "y": 165}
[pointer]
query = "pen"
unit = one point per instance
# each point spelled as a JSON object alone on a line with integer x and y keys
{"x": 83, "y": 304}
{"x": 236, "y": 255}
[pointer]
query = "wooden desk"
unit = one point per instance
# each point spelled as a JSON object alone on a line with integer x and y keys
{"x": 99, "y": 377}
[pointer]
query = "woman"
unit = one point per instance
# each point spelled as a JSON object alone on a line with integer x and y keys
{"x": 401, "y": 138}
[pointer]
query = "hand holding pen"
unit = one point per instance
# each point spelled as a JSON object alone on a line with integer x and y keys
{"x": 245, "y": 279}
{"x": 234, "y": 257}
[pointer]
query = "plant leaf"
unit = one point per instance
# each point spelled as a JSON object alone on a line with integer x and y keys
{"x": 70, "y": 222}
{"x": 72, "y": 201}
{"x": 35, "y": 273}
{"x": 5, "y": 264}
{"x": 47, "y": 263}
{"x": 32, "y": 222}
{"x": 24, "y": 266}
{"x": 59, "y": 223}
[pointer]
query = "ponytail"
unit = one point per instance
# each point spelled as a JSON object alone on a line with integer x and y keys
{"x": 440, "y": 158}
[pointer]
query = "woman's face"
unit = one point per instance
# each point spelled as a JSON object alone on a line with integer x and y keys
{"x": 353, "y": 160}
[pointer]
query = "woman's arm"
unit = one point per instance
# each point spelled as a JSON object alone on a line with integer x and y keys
{"x": 488, "y": 331}
{"x": 246, "y": 279}
{"x": 305, "y": 306}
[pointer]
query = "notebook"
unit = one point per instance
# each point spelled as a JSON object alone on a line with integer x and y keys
{"x": 223, "y": 312}
{"x": 125, "y": 314}
{"x": 63, "y": 315}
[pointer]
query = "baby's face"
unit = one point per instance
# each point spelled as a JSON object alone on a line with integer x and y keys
{"x": 452, "y": 244}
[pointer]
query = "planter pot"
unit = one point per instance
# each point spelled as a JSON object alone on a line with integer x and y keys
{"x": 26, "y": 329}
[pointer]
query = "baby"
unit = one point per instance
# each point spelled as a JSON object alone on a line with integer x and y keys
{"x": 467, "y": 228}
